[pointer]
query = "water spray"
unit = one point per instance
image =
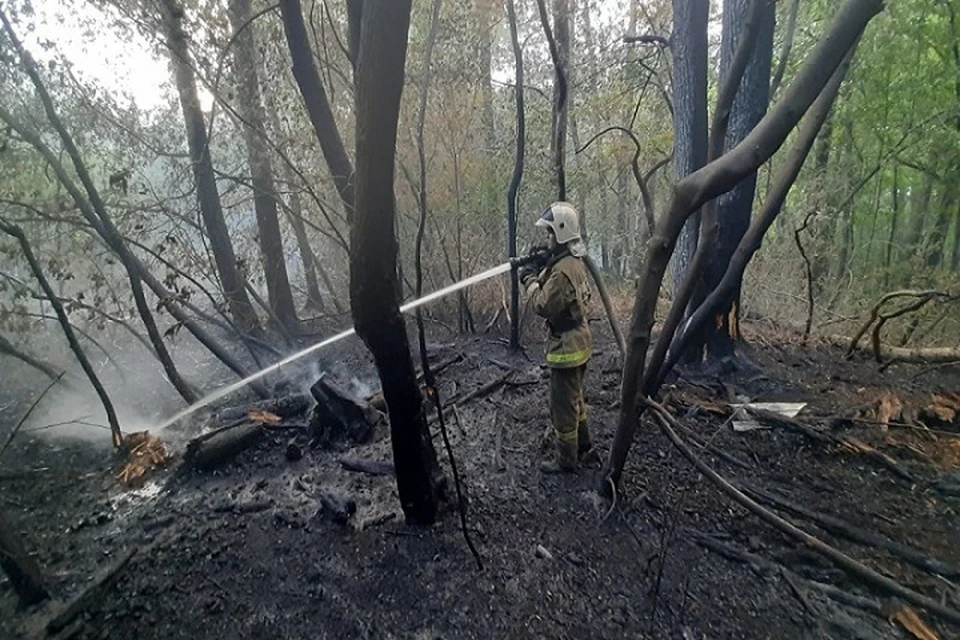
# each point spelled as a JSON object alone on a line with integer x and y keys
{"x": 410, "y": 306}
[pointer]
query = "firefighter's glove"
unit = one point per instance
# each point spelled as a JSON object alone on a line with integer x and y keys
{"x": 527, "y": 273}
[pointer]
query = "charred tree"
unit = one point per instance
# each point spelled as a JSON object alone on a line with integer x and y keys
{"x": 208, "y": 195}
{"x": 515, "y": 179}
{"x": 558, "y": 40}
{"x": 688, "y": 46}
{"x": 735, "y": 206}
{"x": 315, "y": 97}
{"x": 20, "y": 568}
{"x": 279, "y": 295}
{"x": 374, "y": 284}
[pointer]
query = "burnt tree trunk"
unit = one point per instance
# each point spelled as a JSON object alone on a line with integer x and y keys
{"x": 561, "y": 94}
{"x": 515, "y": 179}
{"x": 689, "y": 51}
{"x": 207, "y": 194}
{"x": 279, "y": 295}
{"x": 735, "y": 206}
{"x": 315, "y": 97}
{"x": 374, "y": 286}
{"x": 23, "y": 572}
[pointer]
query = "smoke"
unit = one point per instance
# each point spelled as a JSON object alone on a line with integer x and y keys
{"x": 138, "y": 388}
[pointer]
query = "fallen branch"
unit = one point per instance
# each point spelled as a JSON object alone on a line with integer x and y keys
{"x": 482, "y": 390}
{"x": 91, "y": 598}
{"x": 869, "y": 538}
{"x": 16, "y": 428}
{"x": 846, "y": 442}
{"x": 875, "y": 314}
{"x": 218, "y": 447}
{"x": 762, "y": 565}
{"x": 841, "y": 560}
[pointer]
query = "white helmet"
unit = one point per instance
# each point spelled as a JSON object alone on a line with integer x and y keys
{"x": 562, "y": 218}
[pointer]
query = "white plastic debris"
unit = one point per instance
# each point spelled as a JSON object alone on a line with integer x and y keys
{"x": 744, "y": 422}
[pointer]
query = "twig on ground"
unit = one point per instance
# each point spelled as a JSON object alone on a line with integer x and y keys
{"x": 23, "y": 419}
{"x": 841, "y": 560}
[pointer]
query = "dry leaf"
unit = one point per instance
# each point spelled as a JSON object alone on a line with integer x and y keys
{"x": 264, "y": 417}
{"x": 889, "y": 409}
{"x": 145, "y": 452}
{"x": 912, "y": 623}
{"x": 944, "y": 407}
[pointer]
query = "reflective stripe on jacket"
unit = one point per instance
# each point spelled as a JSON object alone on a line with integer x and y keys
{"x": 562, "y": 300}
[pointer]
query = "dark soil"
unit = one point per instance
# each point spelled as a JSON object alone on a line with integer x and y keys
{"x": 246, "y": 551}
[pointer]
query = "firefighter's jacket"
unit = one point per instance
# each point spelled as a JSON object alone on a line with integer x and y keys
{"x": 562, "y": 300}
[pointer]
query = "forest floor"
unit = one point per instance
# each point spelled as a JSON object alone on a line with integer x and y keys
{"x": 246, "y": 552}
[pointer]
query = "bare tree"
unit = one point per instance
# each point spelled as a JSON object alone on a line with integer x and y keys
{"x": 279, "y": 294}
{"x": 208, "y": 195}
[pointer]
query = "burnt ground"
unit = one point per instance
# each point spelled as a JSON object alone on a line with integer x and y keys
{"x": 246, "y": 552}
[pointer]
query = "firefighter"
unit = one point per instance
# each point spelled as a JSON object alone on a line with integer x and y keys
{"x": 560, "y": 294}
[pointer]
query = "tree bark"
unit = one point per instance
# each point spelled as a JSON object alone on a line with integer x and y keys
{"x": 711, "y": 181}
{"x": 515, "y": 179}
{"x": 750, "y": 243}
{"x": 735, "y": 206}
{"x": 689, "y": 51}
{"x": 374, "y": 286}
{"x": 315, "y": 98}
{"x": 307, "y": 257}
{"x": 23, "y": 572}
{"x": 691, "y": 291}
{"x": 786, "y": 48}
{"x": 558, "y": 40}
{"x": 208, "y": 195}
{"x": 279, "y": 294}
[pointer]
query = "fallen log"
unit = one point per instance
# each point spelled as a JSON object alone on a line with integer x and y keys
{"x": 840, "y": 559}
{"x": 23, "y": 572}
{"x": 211, "y": 450}
{"x": 288, "y": 406}
{"x": 837, "y": 526}
{"x": 911, "y": 355}
{"x": 91, "y": 598}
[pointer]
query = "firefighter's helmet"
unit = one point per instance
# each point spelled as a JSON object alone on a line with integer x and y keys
{"x": 562, "y": 218}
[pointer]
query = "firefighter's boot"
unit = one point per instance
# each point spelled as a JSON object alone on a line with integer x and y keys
{"x": 586, "y": 453}
{"x": 566, "y": 455}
